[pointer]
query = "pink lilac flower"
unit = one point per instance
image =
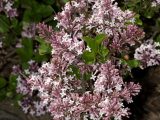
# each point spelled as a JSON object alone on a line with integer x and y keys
{"x": 111, "y": 86}
{"x": 148, "y": 54}
{"x": 22, "y": 78}
{"x": 66, "y": 97}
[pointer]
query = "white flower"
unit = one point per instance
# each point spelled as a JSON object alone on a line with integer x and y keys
{"x": 68, "y": 118}
{"x": 132, "y": 20}
{"x": 93, "y": 77}
{"x": 25, "y": 109}
{"x": 8, "y": 6}
{"x": 85, "y": 117}
{"x": 63, "y": 93}
{"x": 79, "y": 52}
{"x": 66, "y": 38}
{"x": 48, "y": 81}
{"x": 31, "y": 62}
{"x": 32, "y": 112}
{"x": 88, "y": 48}
{"x": 27, "y": 71}
{"x": 154, "y": 4}
{"x": 118, "y": 87}
{"x": 110, "y": 90}
{"x": 75, "y": 4}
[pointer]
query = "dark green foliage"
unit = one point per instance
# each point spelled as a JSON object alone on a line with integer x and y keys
{"x": 98, "y": 51}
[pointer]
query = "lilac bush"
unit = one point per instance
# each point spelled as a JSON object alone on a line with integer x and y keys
{"x": 84, "y": 78}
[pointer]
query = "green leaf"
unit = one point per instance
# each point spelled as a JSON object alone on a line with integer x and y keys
{"x": 133, "y": 63}
{"x": 100, "y": 38}
{"x": 158, "y": 38}
{"x": 91, "y": 43}
{"x": 44, "y": 47}
{"x": 4, "y": 24}
{"x": 2, "y": 94}
{"x": 149, "y": 13}
{"x": 65, "y": 1}
{"x": 26, "y": 52}
{"x": 49, "y": 2}
{"x": 102, "y": 54}
{"x": 98, "y": 51}
{"x": 87, "y": 76}
{"x": 138, "y": 21}
{"x": 75, "y": 71}
{"x": 14, "y": 23}
{"x": 12, "y": 83}
{"x": 35, "y": 11}
{"x": 89, "y": 57}
{"x": 2, "y": 82}
{"x": 94, "y": 43}
{"x": 158, "y": 23}
{"x": 9, "y": 94}
{"x": 44, "y": 10}
{"x": 17, "y": 98}
{"x": 40, "y": 58}
{"x": 104, "y": 51}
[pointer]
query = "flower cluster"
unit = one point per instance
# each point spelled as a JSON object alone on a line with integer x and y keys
{"x": 22, "y": 83}
{"x": 69, "y": 98}
{"x": 155, "y": 3}
{"x": 148, "y": 54}
{"x": 69, "y": 88}
{"x": 22, "y": 87}
{"x": 99, "y": 16}
{"x": 7, "y": 7}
